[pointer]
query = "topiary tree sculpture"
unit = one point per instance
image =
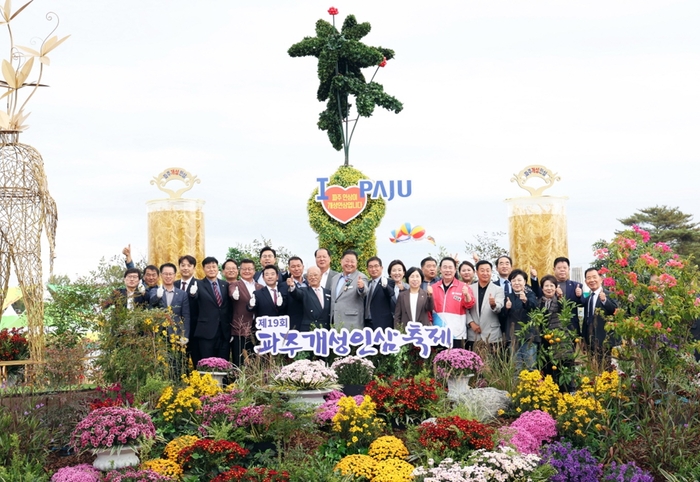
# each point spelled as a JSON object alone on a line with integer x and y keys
{"x": 341, "y": 58}
{"x": 358, "y": 234}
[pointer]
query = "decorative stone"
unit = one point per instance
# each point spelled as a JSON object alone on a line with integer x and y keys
{"x": 484, "y": 403}
{"x": 115, "y": 458}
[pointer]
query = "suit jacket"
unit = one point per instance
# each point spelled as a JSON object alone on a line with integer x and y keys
{"x": 424, "y": 307}
{"x": 594, "y": 322}
{"x": 348, "y": 307}
{"x": 570, "y": 294}
{"x": 488, "y": 319}
{"x": 329, "y": 281}
{"x": 180, "y": 307}
{"x": 519, "y": 312}
{"x": 242, "y": 322}
{"x": 265, "y": 305}
{"x": 211, "y": 316}
{"x": 380, "y": 305}
{"x": 194, "y": 306}
{"x": 120, "y": 298}
{"x": 295, "y": 309}
{"x": 313, "y": 315}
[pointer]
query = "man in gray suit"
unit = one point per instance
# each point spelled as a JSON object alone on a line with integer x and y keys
{"x": 482, "y": 319}
{"x": 323, "y": 262}
{"x": 348, "y": 294}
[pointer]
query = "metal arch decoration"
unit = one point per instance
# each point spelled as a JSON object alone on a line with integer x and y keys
{"x": 535, "y": 171}
{"x": 175, "y": 174}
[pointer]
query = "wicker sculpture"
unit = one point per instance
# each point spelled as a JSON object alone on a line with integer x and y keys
{"x": 26, "y": 207}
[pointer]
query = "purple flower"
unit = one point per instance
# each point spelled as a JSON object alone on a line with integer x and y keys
{"x": 532, "y": 429}
{"x": 214, "y": 364}
{"x": 629, "y": 472}
{"x": 111, "y": 426}
{"x": 456, "y": 362}
{"x": 572, "y": 465}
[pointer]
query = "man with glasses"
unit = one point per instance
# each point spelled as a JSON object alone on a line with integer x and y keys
{"x": 133, "y": 293}
{"x": 242, "y": 321}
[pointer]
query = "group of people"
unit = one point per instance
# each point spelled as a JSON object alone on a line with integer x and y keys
{"x": 215, "y": 317}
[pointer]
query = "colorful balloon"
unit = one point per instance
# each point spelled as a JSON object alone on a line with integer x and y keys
{"x": 407, "y": 232}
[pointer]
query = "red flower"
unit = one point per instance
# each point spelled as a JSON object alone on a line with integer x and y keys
{"x": 333, "y": 11}
{"x": 383, "y": 62}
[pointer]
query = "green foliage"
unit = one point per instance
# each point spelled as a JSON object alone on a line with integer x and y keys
{"x": 138, "y": 334}
{"x": 358, "y": 234}
{"x": 486, "y": 246}
{"x": 341, "y": 56}
{"x": 150, "y": 391}
{"x": 24, "y": 440}
{"x": 669, "y": 225}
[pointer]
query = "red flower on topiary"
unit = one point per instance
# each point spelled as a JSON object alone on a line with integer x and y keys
{"x": 383, "y": 62}
{"x": 333, "y": 11}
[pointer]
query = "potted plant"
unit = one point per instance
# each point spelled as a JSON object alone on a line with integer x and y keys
{"x": 114, "y": 434}
{"x": 218, "y": 368}
{"x": 306, "y": 381}
{"x": 354, "y": 373}
{"x": 457, "y": 366}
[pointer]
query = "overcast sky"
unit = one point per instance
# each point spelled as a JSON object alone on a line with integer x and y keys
{"x": 604, "y": 93}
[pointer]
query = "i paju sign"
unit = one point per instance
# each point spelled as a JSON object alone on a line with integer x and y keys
{"x": 346, "y": 203}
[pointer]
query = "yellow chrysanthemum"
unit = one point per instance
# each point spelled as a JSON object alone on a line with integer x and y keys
{"x": 174, "y": 446}
{"x": 357, "y": 465}
{"x": 387, "y": 447}
{"x": 393, "y": 470}
{"x": 165, "y": 467}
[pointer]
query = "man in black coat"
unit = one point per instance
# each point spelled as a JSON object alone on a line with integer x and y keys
{"x": 315, "y": 301}
{"x": 213, "y": 330}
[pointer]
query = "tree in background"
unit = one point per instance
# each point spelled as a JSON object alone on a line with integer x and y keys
{"x": 671, "y": 226}
{"x": 486, "y": 246}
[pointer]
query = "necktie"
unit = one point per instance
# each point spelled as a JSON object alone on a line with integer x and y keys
{"x": 217, "y": 295}
{"x": 320, "y": 296}
{"x": 368, "y": 300}
{"x": 183, "y": 285}
{"x": 506, "y": 287}
{"x": 341, "y": 283}
{"x": 591, "y": 306}
{"x": 274, "y": 296}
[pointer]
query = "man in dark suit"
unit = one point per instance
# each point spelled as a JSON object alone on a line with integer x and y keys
{"x": 323, "y": 262}
{"x": 169, "y": 296}
{"x": 214, "y": 318}
{"x": 296, "y": 276}
{"x": 268, "y": 256}
{"x": 269, "y": 300}
{"x": 133, "y": 294}
{"x": 187, "y": 265}
{"x": 568, "y": 289}
{"x": 597, "y": 307}
{"x": 314, "y": 300}
{"x": 379, "y": 301}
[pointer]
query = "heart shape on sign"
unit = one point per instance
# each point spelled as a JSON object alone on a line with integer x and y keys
{"x": 344, "y": 203}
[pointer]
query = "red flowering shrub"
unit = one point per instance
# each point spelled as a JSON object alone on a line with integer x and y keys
{"x": 455, "y": 437}
{"x": 13, "y": 345}
{"x": 403, "y": 400}
{"x": 333, "y": 11}
{"x": 111, "y": 396}
{"x": 257, "y": 474}
{"x": 208, "y": 458}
